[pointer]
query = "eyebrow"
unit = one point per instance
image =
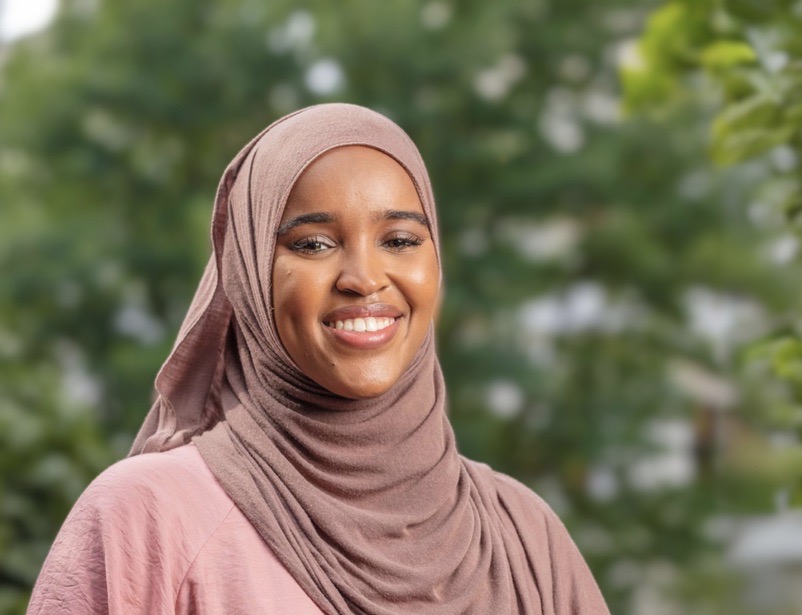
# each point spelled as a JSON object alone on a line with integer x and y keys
{"x": 325, "y": 218}
{"x": 400, "y": 214}
{"x": 313, "y": 218}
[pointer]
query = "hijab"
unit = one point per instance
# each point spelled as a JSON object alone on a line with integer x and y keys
{"x": 366, "y": 502}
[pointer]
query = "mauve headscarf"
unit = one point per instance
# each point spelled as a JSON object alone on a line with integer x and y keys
{"x": 366, "y": 503}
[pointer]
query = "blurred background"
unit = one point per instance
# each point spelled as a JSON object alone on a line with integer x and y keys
{"x": 618, "y": 188}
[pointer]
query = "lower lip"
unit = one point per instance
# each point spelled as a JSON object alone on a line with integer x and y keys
{"x": 365, "y": 340}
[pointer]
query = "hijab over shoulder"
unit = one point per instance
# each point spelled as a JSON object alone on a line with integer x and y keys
{"x": 366, "y": 503}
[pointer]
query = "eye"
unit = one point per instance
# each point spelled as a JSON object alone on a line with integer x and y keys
{"x": 312, "y": 245}
{"x": 401, "y": 242}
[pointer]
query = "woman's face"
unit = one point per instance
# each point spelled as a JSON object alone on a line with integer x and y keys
{"x": 355, "y": 274}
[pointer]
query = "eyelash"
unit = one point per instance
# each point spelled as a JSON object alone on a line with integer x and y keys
{"x": 401, "y": 242}
{"x": 303, "y": 245}
{"x": 404, "y": 241}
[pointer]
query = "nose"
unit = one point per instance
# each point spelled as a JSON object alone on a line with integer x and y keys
{"x": 362, "y": 272}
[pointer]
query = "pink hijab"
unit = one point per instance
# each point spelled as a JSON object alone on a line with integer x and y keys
{"x": 366, "y": 503}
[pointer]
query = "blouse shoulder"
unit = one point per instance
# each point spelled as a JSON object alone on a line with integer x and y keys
{"x": 139, "y": 524}
{"x": 167, "y": 483}
{"x": 169, "y": 494}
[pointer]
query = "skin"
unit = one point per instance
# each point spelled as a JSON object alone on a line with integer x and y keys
{"x": 352, "y": 238}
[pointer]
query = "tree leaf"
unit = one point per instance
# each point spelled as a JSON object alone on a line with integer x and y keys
{"x": 726, "y": 54}
{"x": 739, "y": 146}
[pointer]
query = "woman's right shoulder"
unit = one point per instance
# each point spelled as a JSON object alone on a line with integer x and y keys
{"x": 173, "y": 486}
{"x": 132, "y": 536}
{"x": 152, "y": 471}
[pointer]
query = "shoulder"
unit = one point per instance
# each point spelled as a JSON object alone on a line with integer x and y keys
{"x": 159, "y": 503}
{"x": 171, "y": 494}
{"x": 513, "y": 494}
{"x": 131, "y": 537}
{"x": 173, "y": 480}
{"x": 525, "y": 509}
{"x": 544, "y": 542}
{"x": 150, "y": 470}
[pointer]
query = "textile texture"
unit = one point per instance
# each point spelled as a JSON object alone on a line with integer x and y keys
{"x": 156, "y": 534}
{"x": 366, "y": 503}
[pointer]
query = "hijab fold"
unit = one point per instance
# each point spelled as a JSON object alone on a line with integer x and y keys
{"x": 367, "y": 503}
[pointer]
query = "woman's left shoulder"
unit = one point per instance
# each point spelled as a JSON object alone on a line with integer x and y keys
{"x": 544, "y": 541}
{"x": 513, "y": 493}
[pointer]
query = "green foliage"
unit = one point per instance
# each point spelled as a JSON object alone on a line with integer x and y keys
{"x": 745, "y": 51}
{"x": 726, "y": 55}
{"x": 676, "y": 33}
{"x": 785, "y": 357}
{"x": 749, "y": 56}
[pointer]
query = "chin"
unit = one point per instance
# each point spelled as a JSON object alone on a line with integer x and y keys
{"x": 361, "y": 387}
{"x": 361, "y": 392}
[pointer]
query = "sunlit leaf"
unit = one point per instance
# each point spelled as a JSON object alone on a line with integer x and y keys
{"x": 726, "y": 54}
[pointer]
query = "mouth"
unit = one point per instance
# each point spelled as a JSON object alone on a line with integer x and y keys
{"x": 363, "y": 327}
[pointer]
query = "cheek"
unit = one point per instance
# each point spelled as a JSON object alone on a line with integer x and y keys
{"x": 290, "y": 297}
{"x": 422, "y": 285}
{"x": 282, "y": 286}
{"x": 427, "y": 278}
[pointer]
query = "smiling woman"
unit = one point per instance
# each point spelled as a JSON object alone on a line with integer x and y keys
{"x": 298, "y": 458}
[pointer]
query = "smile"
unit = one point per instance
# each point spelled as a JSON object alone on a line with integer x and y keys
{"x": 360, "y": 325}
{"x": 363, "y": 327}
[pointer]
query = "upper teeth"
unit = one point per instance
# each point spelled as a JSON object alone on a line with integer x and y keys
{"x": 362, "y": 324}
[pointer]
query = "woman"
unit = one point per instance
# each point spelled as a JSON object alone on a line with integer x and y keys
{"x": 298, "y": 458}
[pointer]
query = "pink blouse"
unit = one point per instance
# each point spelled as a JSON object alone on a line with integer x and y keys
{"x": 157, "y": 534}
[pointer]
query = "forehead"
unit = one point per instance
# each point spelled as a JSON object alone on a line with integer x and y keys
{"x": 355, "y": 178}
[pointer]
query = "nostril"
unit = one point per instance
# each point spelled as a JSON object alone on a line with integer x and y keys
{"x": 360, "y": 283}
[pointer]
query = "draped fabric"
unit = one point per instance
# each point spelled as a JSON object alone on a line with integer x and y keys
{"x": 367, "y": 503}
